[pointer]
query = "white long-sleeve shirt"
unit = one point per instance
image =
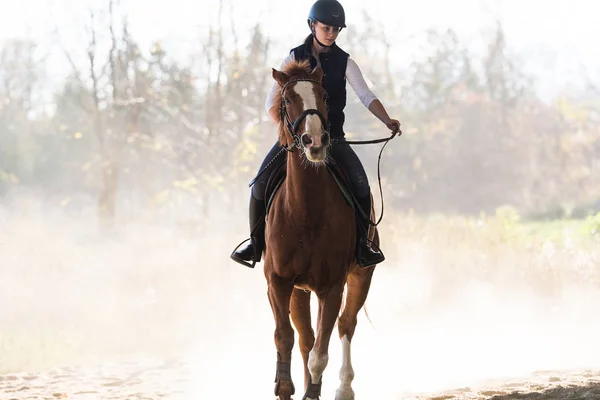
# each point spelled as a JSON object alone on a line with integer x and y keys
{"x": 353, "y": 75}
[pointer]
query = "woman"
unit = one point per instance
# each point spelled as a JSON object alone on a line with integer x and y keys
{"x": 326, "y": 19}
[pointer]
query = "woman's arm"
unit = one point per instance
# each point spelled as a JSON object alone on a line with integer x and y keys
{"x": 357, "y": 81}
{"x": 379, "y": 111}
{"x": 367, "y": 97}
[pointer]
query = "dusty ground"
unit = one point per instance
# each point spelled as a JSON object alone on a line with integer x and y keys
{"x": 154, "y": 379}
{"x": 460, "y": 311}
{"x": 540, "y": 385}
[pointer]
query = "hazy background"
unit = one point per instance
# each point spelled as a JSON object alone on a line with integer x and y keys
{"x": 129, "y": 131}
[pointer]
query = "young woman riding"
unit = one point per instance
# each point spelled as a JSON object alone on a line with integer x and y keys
{"x": 326, "y": 19}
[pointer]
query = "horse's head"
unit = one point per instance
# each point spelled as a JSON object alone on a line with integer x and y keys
{"x": 303, "y": 111}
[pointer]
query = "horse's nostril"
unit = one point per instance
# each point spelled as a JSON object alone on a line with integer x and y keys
{"x": 306, "y": 140}
{"x": 325, "y": 139}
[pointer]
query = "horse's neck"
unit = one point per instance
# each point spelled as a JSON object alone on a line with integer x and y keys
{"x": 306, "y": 186}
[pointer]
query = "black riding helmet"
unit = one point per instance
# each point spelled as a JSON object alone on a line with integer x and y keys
{"x": 328, "y": 12}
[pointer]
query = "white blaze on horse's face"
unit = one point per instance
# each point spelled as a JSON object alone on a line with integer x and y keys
{"x": 316, "y": 149}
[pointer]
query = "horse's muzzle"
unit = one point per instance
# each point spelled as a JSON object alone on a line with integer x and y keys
{"x": 315, "y": 146}
{"x": 309, "y": 141}
{"x": 317, "y": 154}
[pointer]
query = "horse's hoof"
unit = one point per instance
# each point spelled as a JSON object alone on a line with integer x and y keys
{"x": 345, "y": 393}
{"x": 284, "y": 390}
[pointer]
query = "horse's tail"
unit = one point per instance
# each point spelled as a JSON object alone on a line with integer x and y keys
{"x": 364, "y": 307}
{"x": 367, "y": 315}
{"x": 343, "y": 305}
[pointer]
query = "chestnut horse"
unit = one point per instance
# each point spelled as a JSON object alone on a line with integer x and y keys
{"x": 310, "y": 238}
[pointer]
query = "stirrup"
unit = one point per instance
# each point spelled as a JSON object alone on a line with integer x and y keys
{"x": 369, "y": 265}
{"x": 239, "y": 260}
{"x": 243, "y": 262}
{"x": 374, "y": 248}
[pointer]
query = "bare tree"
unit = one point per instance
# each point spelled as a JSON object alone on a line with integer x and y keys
{"x": 20, "y": 70}
{"x": 103, "y": 95}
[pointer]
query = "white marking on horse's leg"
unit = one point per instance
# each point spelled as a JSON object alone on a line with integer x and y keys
{"x": 316, "y": 366}
{"x": 345, "y": 391}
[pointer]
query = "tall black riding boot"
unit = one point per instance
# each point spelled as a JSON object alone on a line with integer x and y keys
{"x": 252, "y": 252}
{"x": 365, "y": 255}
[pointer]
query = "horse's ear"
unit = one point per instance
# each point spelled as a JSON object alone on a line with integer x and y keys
{"x": 280, "y": 77}
{"x": 317, "y": 74}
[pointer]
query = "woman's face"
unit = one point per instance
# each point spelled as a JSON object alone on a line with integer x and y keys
{"x": 326, "y": 33}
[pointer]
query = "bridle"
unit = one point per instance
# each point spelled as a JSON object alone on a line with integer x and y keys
{"x": 292, "y": 127}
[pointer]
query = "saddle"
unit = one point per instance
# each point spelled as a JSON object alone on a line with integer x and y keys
{"x": 341, "y": 179}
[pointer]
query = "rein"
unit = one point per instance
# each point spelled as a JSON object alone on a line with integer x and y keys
{"x": 365, "y": 217}
{"x": 292, "y": 127}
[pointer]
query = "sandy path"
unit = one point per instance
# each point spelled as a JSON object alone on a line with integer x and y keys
{"x": 155, "y": 379}
{"x": 132, "y": 380}
{"x": 573, "y": 385}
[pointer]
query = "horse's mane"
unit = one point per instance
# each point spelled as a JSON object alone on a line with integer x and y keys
{"x": 297, "y": 68}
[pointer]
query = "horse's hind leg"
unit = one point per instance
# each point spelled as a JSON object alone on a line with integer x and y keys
{"x": 279, "y": 292}
{"x": 300, "y": 311}
{"x": 359, "y": 282}
{"x": 329, "y": 308}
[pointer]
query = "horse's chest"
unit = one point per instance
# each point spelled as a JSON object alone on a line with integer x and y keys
{"x": 303, "y": 241}
{"x": 316, "y": 245}
{"x": 307, "y": 236}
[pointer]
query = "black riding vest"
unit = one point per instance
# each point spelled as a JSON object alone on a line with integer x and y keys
{"x": 333, "y": 64}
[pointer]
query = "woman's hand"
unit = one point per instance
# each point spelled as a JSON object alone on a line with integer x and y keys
{"x": 394, "y": 126}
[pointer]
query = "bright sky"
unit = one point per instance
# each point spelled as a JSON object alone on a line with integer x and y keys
{"x": 555, "y": 38}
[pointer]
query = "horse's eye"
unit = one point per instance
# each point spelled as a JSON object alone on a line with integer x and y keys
{"x": 287, "y": 101}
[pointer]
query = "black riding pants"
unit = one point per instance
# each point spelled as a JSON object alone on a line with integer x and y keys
{"x": 341, "y": 152}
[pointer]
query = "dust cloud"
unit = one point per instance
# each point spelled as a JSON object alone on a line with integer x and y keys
{"x": 77, "y": 293}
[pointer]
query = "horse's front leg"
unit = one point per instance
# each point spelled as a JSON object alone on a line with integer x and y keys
{"x": 359, "y": 282}
{"x": 329, "y": 307}
{"x": 300, "y": 312}
{"x": 279, "y": 292}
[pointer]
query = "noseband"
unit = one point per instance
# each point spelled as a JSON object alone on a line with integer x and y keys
{"x": 293, "y": 127}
